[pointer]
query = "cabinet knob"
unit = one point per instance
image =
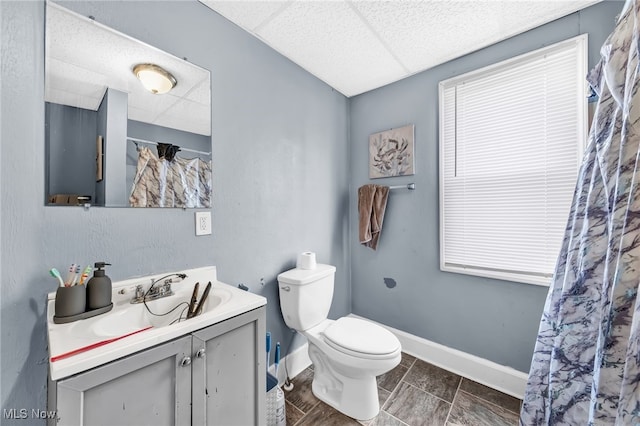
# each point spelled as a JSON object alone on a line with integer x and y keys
{"x": 201, "y": 353}
{"x": 185, "y": 361}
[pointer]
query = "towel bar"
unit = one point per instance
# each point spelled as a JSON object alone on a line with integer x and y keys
{"x": 411, "y": 186}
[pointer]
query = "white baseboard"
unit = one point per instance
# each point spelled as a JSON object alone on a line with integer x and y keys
{"x": 502, "y": 378}
{"x": 499, "y": 377}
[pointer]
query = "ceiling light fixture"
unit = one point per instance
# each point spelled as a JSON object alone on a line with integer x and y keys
{"x": 154, "y": 78}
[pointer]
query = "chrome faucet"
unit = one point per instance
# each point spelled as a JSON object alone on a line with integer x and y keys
{"x": 154, "y": 292}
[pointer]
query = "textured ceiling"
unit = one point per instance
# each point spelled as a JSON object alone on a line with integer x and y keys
{"x": 356, "y": 46}
{"x": 83, "y": 58}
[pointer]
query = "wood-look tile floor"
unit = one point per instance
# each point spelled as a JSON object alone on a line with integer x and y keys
{"x": 415, "y": 393}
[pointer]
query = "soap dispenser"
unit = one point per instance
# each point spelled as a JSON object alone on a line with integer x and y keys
{"x": 99, "y": 288}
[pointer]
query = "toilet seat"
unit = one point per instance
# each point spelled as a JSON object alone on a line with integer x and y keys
{"x": 361, "y": 339}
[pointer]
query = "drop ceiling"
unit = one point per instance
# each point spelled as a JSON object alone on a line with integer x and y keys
{"x": 357, "y": 46}
{"x": 83, "y": 58}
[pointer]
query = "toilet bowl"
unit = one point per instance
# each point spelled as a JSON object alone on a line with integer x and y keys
{"x": 347, "y": 355}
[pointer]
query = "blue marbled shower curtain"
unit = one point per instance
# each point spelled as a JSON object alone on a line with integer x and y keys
{"x": 586, "y": 363}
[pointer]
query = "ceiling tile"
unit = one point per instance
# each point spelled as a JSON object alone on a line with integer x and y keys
{"x": 247, "y": 14}
{"x": 188, "y": 116}
{"x": 359, "y": 45}
{"x": 330, "y": 40}
{"x": 90, "y": 101}
{"x": 428, "y": 33}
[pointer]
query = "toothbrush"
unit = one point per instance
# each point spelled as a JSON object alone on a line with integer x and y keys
{"x": 72, "y": 268}
{"x": 56, "y": 274}
{"x": 277, "y": 360}
{"x": 85, "y": 274}
{"x": 268, "y": 348}
{"x": 76, "y": 275}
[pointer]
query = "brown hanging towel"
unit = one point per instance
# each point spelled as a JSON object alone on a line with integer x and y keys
{"x": 372, "y": 203}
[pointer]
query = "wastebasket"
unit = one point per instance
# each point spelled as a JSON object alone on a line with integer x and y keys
{"x": 276, "y": 414}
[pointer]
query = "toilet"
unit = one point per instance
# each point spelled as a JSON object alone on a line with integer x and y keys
{"x": 348, "y": 353}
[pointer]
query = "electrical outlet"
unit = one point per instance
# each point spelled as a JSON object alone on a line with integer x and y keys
{"x": 203, "y": 223}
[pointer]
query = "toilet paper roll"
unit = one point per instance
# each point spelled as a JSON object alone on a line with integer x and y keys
{"x": 306, "y": 260}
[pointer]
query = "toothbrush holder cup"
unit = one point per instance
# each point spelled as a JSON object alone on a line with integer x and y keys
{"x": 70, "y": 300}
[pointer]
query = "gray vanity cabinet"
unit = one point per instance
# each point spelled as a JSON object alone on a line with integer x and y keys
{"x": 229, "y": 377}
{"x": 214, "y": 376}
{"x": 151, "y": 387}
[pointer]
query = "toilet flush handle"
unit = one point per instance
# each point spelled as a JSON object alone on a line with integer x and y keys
{"x": 286, "y": 288}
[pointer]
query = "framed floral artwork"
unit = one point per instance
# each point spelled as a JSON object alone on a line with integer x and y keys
{"x": 391, "y": 153}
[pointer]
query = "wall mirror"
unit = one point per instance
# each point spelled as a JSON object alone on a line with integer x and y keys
{"x": 110, "y": 141}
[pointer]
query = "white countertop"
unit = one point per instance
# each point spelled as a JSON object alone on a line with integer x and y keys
{"x": 68, "y": 337}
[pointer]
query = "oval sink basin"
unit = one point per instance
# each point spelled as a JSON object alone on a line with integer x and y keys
{"x": 119, "y": 323}
{"x": 157, "y": 313}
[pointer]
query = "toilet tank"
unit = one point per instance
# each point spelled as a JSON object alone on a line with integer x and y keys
{"x": 305, "y": 295}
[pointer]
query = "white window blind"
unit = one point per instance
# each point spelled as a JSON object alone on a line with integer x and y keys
{"x": 511, "y": 142}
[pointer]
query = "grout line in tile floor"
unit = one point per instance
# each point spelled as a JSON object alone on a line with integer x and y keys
{"x": 404, "y": 375}
{"x": 488, "y": 402}
{"x": 295, "y": 408}
{"x": 395, "y": 418}
{"x": 473, "y": 403}
{"x": 435, "y": 396}
{"x": 446, "y": 421}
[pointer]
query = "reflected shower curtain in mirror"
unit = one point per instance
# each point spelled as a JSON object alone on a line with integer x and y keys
{"x": 177, "y": 183}
{"x": 586, "y": 363}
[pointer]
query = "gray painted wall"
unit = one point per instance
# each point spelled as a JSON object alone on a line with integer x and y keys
{"x": 152, "y": 132}
{"x": 280, "y": 158}
{"x": 102, "y": 131}
{"x": 71, "y": 147}
{"x": 496, "y": 320}
{"x": 114, "y": 167}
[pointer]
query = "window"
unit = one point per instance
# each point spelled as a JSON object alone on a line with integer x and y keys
{"x": 511, "y": 143}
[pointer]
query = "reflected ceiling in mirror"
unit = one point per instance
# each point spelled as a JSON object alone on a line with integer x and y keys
{"x": 88, "y": 69}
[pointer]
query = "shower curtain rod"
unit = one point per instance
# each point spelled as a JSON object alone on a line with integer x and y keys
{"x": 407, "y": 186}
{"x": 134, "y": 140}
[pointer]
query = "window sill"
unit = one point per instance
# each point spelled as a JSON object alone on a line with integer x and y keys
{"x": 499, "y": 275}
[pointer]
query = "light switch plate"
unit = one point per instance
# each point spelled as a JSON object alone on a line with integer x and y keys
{"x": 203, "y": 223}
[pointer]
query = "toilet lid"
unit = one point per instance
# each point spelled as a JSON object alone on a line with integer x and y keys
{"x": 361, "y": 336}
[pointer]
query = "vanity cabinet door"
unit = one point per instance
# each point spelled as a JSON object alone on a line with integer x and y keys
{"x": 229, "y": 372}
{"x": 151, "y": 387}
